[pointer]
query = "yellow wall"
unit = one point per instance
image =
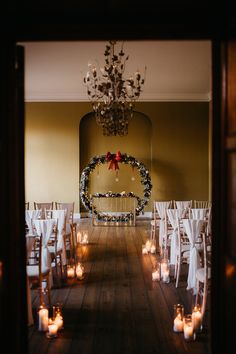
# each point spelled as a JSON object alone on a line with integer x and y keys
{"x": 173, "y": 144}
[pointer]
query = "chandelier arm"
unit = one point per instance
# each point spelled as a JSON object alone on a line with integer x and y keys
{"x": 113, "y": 96}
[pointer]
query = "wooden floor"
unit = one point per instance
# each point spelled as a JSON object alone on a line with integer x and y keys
{"x": 116, "y": 308}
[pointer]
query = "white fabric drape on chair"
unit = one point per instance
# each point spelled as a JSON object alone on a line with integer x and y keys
{"x": 198, "y": 213}
{"x": 193, "y": 228}
{"x": 60, "y": 215}
{"x": 173, "y": 215}
{"x": 30, "y": 215}
{"x": 45, "y": 227}
{"x": 161, "y": 207}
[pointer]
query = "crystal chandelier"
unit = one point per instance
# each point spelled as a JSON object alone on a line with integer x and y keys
{"x": 113, "y": 96}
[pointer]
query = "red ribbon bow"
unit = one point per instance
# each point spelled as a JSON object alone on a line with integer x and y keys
{"x": 114, "y": 159}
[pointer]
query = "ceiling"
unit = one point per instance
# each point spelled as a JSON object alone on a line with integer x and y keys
{"x": 176, "y": 70}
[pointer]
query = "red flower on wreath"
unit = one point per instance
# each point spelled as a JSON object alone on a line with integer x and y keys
{"x": 113, "y": 159}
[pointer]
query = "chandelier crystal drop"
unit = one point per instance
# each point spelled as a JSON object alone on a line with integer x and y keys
{"x": 112, "y": 95}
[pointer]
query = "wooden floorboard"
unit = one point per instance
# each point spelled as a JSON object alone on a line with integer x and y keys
{"x": 117, "y": 308}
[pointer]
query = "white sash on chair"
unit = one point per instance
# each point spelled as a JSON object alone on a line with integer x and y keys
{"x": 199, "y": 213}
{"x": 31, "y": 215}
{"x": 45, "y": 227}
{"x": 172, "y": 215}
{"x": 193, "y": 228}
{"x": 161, "y": 209}
{"x": 60, "y": 215}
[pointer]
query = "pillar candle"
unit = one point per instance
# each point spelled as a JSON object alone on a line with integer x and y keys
{"x": 43, "y": 319}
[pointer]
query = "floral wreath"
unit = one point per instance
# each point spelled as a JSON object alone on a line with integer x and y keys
{"x": 113, "y": 160}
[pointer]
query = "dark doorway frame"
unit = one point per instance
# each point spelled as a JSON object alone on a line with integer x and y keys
{"x": 169, "y": 22}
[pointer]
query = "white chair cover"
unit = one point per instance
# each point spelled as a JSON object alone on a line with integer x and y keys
{"x": 31, "y": 215}
{"x": 183, "y": 204}
{"x": 173, "y": 216}
{"x": 60, "y": 215}
{"x": 198, "y": 213}
{"x": 161, "y": 207}
{"x": 193, "y": 228}
{"x": 29, "y": 245}
{"x": 45, "y": 227}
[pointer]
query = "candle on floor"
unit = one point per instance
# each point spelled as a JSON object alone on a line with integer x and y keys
{"x": 58, "y": 321}
{"x": 79, "y": 271}
{"x": 84, "y": 238}
{"x": 144, "y": 249}
{"x": 70, "y": 272}
{"x": 43, "y": 318}
{"x": 156, "y": 275}
{"x": 52, "y": 330}
{"x": 165, "y": 271}
{"x": 178, "y": 318}
{"x": 148, "y": 245}
{"x": 79, "y": 235}
{"x": 189, "y": 333}
{"x": 197, "y": 318}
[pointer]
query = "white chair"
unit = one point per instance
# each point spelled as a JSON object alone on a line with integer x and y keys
{"x": 182, "y": 204}
{"x": 202, "y": 204}
{"x": 37, "y": 270}
{"x": 56, "y": 243}
{"x": 198, "y": 213}
{"x": 46, "y": 227}
{"x": 193, "y": 228}
{"x": 43, "y": 206}
{"x": 70, "y": 226}
{"x": 173, "y": 217}
{"x": 30, "y": 215}
{"x": 181, "y": 249}
{"x": 159, "y": 221}
{"x": 203, "y": 275}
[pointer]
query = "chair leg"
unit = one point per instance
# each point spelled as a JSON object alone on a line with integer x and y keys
{"x": 177, "y": 273}
{"x": 204, "y": 299}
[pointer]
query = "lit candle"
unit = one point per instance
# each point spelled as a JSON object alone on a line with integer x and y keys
{"x": 189, "y": 333}
{"x": 52, "y": 330}
{"x": 178, "y": 324}
{"x": 70, "y": 272}
{"x": 58, "y": 321}
{"x": 148, "y": 245}
{"x": 78, "y": 237}
{"x": 144, "y": 249}
{"x": 165, "y": 272}
{"x": 153, "y": 249}
{"x": 79, "y": 271}
{"x": 197, "y": 318}
{"x": 156, "y": 275}
{"x": 85, "y": 238}
{"x": 166, "y": 276}
{"x": 43, "y": 319}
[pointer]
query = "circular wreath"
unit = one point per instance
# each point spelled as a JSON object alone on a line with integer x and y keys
{"x": 125, "y": 159}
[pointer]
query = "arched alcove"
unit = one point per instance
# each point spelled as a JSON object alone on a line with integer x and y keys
{"x": 137, "y": 143}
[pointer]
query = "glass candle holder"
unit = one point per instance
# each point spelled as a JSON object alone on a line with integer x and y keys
{"x": 70, "y": 271}
{"x": 148, "y": 245}
{"x": 84, "y": 239}
{"x": 197, "y": 318}
{"x": 79, "y": 270}
{"x": 178, "y": 324}
{"x": 144, "y": 249}
{"x": 165, "y": 271}
{"x": 42, "y": 318}
{"x": 189, "y": 333}
{"x": 52, "y": 330}
{"x": 153, "y": 246}
{"x": 156, "y": 272}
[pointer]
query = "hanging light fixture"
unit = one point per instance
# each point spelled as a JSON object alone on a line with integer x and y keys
{"x": 112, "y": 95}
